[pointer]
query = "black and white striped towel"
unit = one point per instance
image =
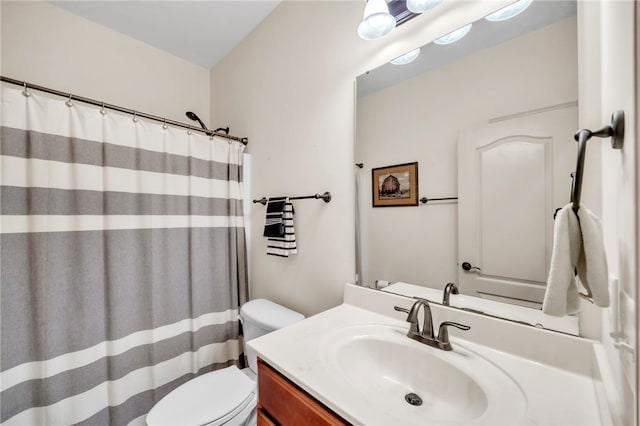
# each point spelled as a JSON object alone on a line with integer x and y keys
{"x": 283, "y": 243}
{"x": 274, "y": 223}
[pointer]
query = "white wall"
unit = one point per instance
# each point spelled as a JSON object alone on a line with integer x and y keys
{"x": 420, "y": 119}
{"x": 45, "y": 45}
{"x": 608, "y": 77}
{"x": 289, "y": 87}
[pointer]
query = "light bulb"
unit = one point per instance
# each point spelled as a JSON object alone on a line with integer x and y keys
{"x": 406, "y": 58}
{"x": 377, "y": 22}
{"x": 453, "y": 36}
{"x": 421, "y": 6}
{"x": 509, "y": 11}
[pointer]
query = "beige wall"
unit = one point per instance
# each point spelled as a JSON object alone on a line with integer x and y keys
{"x": 426, "y": 114}
{"x": 45, "y": 45}
{"x": 289, "y": 87}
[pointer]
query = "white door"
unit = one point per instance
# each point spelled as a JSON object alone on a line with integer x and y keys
{"x": 512, "y": 175}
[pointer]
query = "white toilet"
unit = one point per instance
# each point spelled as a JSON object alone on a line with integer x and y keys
{"x": 227, "y": 396}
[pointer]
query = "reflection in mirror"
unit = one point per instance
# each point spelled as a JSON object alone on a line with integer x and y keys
{"x": 490, "y": 120}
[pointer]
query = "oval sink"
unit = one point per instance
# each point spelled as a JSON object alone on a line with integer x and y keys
{"x": 380, "y": 363}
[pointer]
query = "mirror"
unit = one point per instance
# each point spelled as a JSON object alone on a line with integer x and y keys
{"x": 489, "y": 120}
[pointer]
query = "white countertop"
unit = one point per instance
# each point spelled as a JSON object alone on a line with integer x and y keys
{"x": 554, "y": 395}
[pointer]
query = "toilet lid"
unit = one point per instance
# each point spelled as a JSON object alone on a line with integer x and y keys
{"x": 204, "y": 399}
{"x": 268, "y": 315}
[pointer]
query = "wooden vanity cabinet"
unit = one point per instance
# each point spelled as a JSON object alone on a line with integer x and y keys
{"x": 280, "y": 402}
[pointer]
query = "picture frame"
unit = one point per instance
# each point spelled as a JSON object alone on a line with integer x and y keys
{"x": 395, "y": 186}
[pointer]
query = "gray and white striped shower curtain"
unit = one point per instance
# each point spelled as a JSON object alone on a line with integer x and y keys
{"x": 122, "y": 260}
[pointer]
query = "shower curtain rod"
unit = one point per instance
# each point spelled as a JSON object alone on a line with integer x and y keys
{"x": 120, "y": 109}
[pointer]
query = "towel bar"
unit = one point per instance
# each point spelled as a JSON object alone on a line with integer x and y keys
{"x": 425, "y": 200}
{"x": 326, "y": 197}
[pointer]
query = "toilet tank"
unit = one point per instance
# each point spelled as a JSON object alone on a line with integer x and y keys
{"x": 261, "y": 316}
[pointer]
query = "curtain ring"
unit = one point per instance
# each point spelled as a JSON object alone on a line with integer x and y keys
{"x": 229, "y": 139}
{"x": 164, "y": 123}
{"x": 211, "y": 136}
{"x": 102, "y": 110}
{"x": 135, "y": 116}
{"x": 189, "y": 131}
{"x": 69, "y": 103}
{"x": 25, "y": 92}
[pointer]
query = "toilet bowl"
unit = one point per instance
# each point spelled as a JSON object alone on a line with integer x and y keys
{"x": 227, "y": 396}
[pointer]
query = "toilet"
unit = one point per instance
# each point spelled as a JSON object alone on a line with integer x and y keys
{"x": 227, "y": 396}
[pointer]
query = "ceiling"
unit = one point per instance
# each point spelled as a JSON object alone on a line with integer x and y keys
{"x": 201, "y": 32}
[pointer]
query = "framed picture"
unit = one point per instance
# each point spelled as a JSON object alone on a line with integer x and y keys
{"x": 395, "y": 185}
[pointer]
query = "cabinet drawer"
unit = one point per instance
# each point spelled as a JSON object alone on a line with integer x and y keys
{"x": 287, "y": 404}
{"x": 263, "y": 419}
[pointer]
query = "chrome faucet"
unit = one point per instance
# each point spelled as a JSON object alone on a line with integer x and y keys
{"x": 426, "y": 334}
{"x": 449, "y": 289}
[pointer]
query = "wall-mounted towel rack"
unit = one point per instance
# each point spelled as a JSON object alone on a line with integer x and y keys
{"x": 326, "y": 197}
{"x": 425, "y": 200}
{"x": 615, "y": 131}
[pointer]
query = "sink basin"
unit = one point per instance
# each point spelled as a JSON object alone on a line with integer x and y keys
{"x": 381, "y": 364}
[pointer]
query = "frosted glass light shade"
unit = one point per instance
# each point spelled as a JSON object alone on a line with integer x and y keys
{"x": 377, "y": 21}
{"x": 406, "y": 58}
{"x": 509, "y": 11}
{"x": 453, "y": 36}
{"x": 421, "y": 6}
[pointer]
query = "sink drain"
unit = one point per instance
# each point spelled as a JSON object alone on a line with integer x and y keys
{"x": 413, "y": 399}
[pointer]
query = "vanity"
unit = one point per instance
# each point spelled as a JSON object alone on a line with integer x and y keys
{"x": 355, "y": 364}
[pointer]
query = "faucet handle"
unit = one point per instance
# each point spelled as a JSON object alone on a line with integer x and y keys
{"x": 411, "y": 318}
{"x": 443, "y": 333}
{"x": 400, "y": 309}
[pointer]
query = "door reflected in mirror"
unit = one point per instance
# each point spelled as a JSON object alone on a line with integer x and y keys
{"x": 490, "y": 120}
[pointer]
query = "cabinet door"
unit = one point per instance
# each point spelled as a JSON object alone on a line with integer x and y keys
{"x": 283, "y": 403}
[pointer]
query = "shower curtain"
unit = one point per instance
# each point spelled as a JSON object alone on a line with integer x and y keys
{"x": 122, "y": 260}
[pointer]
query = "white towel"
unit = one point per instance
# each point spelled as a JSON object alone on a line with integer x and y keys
{"x": 561, "y": 295}
{"x": 577, "y": 245}
{"x": 286, "y": 245}
{"x": 592, "y": 263}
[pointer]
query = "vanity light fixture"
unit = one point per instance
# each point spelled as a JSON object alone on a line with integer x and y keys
{"x": 509, "y": 11}
{"x": 421, "y": 6}
{"x": 377, "y": 22}
{"x": 406, "y": 58}
{"x": 453, "y": 36}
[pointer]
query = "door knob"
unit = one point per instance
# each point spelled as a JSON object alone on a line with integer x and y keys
{"x": 467, "y": 267}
